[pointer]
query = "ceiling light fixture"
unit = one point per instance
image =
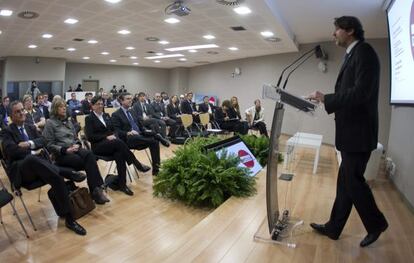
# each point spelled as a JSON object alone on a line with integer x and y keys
{"x": 182, "y": 59}
{"x": 242, "y": 10}
{"x": 71, "y": 49}
{"x": 86, "y": 58}
{"x": 172, "y": 20}
{"x": 112, "y": 60}
{"x": 104, "y": 53}
{"x": 124, "y": 32}
{"x": 47, "y": 35}
{"x": 192, "y": 47}
{"x": 157, "y": 61}
{"x": 163, "y": 42}
{"x": 166, "y": 56}
{"x": 233, "y": 48}
{"x": 6, "y": 12}
{"x": 133, "y": 57}
{"x": 135, "y": 63}
{"x": 0, "y": 32}
{"x": 71, "y": 21}
{"x": 159, "y": 54}
{"x": 113, "y": 1}
{"x": 32, "y": 46}
{"x": 209, "y": 37}
{"x": 267, "y": 33}
{"x": 130, "y": 48}
{"x": 192, "y": 51}
{"x": 92, "y": 41}
{"x": 28, "y": 15}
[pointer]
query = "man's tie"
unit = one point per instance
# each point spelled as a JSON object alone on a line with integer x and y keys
{"x": 132, "y": 122}
{"x": 24, "y": 135}
{"x": 144, "y": 108}
{"x": 346, "y": 57}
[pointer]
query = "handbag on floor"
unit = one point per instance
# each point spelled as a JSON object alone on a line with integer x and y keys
{"x": 80, "y": 201}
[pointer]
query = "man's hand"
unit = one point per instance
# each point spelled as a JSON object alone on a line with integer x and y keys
{"x": 111, "y": 137}
{"x": 73, "y": 148}
{"x": 133, "y": 132}
{"x": 24, "y": 145}
{"x": 317, "y": 96}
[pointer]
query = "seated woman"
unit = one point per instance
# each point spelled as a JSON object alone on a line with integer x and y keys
{"x": 100, "y": 132}
{"x": 228, "y": 120}
{"x": 255, "y": 117}
{"x": 62, "y": 142}
{"x": 235, "y": 106}
{"x": 173, "y": 109}
{"x": 33, "y": 116}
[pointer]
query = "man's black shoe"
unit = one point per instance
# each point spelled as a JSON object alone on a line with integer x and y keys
{"x": 372, "y": 237}
{"x": 78, "y": 176}
{"x": 98, "y": 196}
{"x": 126, "y": 190}
{"x": 142, "y": 167}
{"x": 75, "y": 227}
{"x": 321, "y": 229}
{"x": 162, "y": 140}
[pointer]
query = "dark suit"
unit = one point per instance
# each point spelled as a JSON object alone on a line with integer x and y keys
{"x": 151, "y": 122}
{"x": 122, "y": 127}
{"x": 44, "y": 110}
{"x": 233, "y": 124}
{"x": 355, "y": 104}
{"x": 4, "y": 113}
{"x": 33, "y": 117}
{"x": 24, "y": 168}
{"x": 86, "y": 107}
{"x": 188, "y": 107}
{"x": 173, "y": 111}
{"x": 159, "y": 113}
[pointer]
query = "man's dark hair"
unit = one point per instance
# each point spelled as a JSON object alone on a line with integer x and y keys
{"x": 349, "y": 23}
{"x": 141, "y": 94}
{"x": 123, "y": 95}
{"x": 95, "y": 99}
{"x": 5, "y": 98}
{"x": 13, "y": 103}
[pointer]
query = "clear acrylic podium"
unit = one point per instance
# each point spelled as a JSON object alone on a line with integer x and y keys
{"x": 277, "y": 227}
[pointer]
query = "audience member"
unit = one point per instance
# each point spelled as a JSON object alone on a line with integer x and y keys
{"x": 107, "y": 102}
{"x": 5, "y": 112}
{"x": 255, "y": 117}
{"x": 33, "y": 90}
{"x": 228, "y": 120}
{"x": 74, "y": 105}
{"x": 188, "y": 107}
{"x": 33, "y": 117}
{"x": 165, "y": 98}
{"x": 86, "y": 103}
{"x": 173, "y": 109}
{"x": 235, "y": 105}
{"x": 79, "y": 88}
{"x": 42, "y": 107}
{"x": 159, "y": 113}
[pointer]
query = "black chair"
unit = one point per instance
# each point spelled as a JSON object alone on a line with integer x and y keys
{"x": 6, "y": 198}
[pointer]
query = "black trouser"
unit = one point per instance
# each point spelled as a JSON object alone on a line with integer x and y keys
{"x": 83, "y": 160}
{"x": 156, "y": 125}
{"x": 351, "y": 190}
{"x": 34, "y": 168}
{"x": 173, "y": 126}
{"x": 241, "y": 127}
{"x": 140, "y": 142}
{"x": 261, "y": 126}
{"x": 120, "y": 152}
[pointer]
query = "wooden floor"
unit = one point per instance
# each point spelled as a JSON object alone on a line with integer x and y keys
{"x": 147, "y": 229}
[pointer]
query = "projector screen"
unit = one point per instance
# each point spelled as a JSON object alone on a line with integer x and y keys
{"x": 401, "y": 36}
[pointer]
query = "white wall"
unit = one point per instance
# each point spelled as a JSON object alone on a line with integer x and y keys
{"x": 135, "y": 79}
{"x": 178, "y": 81}
{"x": 216, "y": 79}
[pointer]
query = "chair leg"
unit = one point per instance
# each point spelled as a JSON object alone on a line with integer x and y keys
{"x": 149, "y": 157}
{"x": 136, "y": 171}
{"x": 28, "y": 214}
{"x": 129, "y": 175}
{"x": 1, "y": 217}
{"x": 40, "y": 190}
{"x": 18, "y": 219}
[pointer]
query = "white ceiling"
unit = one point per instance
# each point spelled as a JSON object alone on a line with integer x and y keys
{"x": 308, "y": 21}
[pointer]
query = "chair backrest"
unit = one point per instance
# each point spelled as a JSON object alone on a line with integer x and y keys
{"x": 204, "y": 118}
{"x": 9, "y": 120}
{"x": 81, "y": 120}
{"x": 110, "y": 110}
{"x": 187, "y": 120}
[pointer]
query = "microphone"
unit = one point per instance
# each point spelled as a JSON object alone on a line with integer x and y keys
{"x": 297, "y": 66}
{"x": 315, "y": 49}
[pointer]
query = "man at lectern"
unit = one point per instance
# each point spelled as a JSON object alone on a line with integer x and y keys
{"x": 355, "y": 104}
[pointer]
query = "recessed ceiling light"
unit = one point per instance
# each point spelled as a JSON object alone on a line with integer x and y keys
{"x": 113, "y": 1}
{"x": 267, "y": 33}
{"x": 135, "y": 63}
{"x": 124, "y": 32}
{"x": 47, "y": 35}
{"x": 6, "y": 12}
{"x": 86, "y": 58}
{"x": 71, "y": 21}
{"x": 133, "y": 57}
{"x": 32, "y": 46}
{"x": 112, "y": 60}
{"x": 157, "y": 61}
{"x": 192, "y": 51}
{"x": 164, "y": 42}
{"x": 130, "y": 48}
{"x": 166, "y": 56}
{"x": 182, "y": 59}
{"x": 104, "y": 53}
{"x": 71, "y": 49}
{"x": 0, "y": 32}
{"x": 159, "y": 54}
{"x": 28, "y": 15}
{"x": 209, "y": 37}
{"x": 242, "y": 10}
{"x": 233, "y": 48}
{"x": 172, "y": 20}
{"x": 92, "y": 41}
{"x": 192, "y": 47}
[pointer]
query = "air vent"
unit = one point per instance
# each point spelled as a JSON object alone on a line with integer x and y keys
{"x": 151, "y": 52}
{"x": 152, "y": 39}
{"x": 58, "y": 48}
{"x": 273, "y": 39}
{"x": 238, "y": 28}
{"x": 212, "y": 52}
{"x": 230, "y": 2}
{"x": 28, "y": 15}
{"x": 78, "y": 39}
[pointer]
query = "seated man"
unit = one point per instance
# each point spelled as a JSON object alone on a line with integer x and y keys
{"x": 5, "y": 112}
{"x": 159, "y": 113}
{"x": 41, "y": 107}
{"x": 33, "y": 117}
{"x": 227, "y": 119}
{"x": 188, "y": 107}
{"x": 74, "y": 105}
{"x": 145, "y": 114}
{"x": 86, "y": 104}
{"x": 255, "y": 117}
{"x": 63, "y": 143}
{"x": 19, "y": 139}
{"x": 100, "y": 132}
{"x": 129, "y": 130}
{"x": 107, "y": 102}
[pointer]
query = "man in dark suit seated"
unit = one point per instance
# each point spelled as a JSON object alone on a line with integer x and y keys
{"x": 5, "y": 112}
{"x": 188, "y": 107}
{"x": 145, "y": 114}
{"x": 86, "y": 104}
{"x": 33, "y": 115}
{"x": 100, "y": 132}
{"x": 355, "y": 104}
{"x": 133, "y": 133}
{"x": 107, "y": 102}
{"x": 227, "y": 119}
{"x": 19, "y": 140}
{"x": 41, "y": 107}
{"x": 207, "y": 107}
{"x": 159, "y": 113}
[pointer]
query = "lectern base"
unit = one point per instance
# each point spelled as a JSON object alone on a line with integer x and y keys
{"x": 283, "y": 234}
